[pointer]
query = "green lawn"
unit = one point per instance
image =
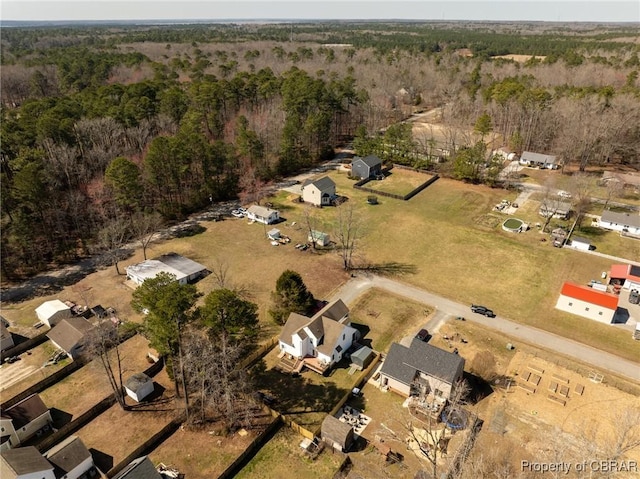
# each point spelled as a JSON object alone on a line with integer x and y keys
{"x": 450, "y": 235}
{"x": 282, "y": 457}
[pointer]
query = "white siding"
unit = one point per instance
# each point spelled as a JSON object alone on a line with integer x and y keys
{"x": 34, "y": 426}
{"x": 618, "y": 227}
{"x": 394, "y": 385}
{"x": 629, "y": 284}
{"x": 38, "y": 475}
{"x": 584, "y": 309}
{"x": 580, "y": 246}
{"x": 288, "y": 349}
{"x": 80, "y": 469}
{"x": 312, "y": 194}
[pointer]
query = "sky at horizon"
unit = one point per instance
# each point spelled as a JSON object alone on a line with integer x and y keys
{"x": 478, "y": 10}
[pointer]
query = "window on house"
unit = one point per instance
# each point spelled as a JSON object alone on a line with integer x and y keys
{"x": 570, "y": 304}
{"x": 343, "y": 336}
{"x": 438, "y": 393}
{"x": 600, "y": 313}
{"x": 586, "y": 309}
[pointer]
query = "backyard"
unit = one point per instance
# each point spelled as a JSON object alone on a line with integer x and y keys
{"x": 283, "y": 457}
{"x": 399, "y": 182}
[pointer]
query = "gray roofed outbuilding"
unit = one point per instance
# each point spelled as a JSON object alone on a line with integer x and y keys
{"x": 621, "y": 218}
{"x": 336, "y": 433}
{"x": 362, "y": 357}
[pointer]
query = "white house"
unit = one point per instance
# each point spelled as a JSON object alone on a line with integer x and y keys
{"x": 321, "y": 341}
{"x": 624, "y": 222}
{"x": 69, "y": 335}
{"x": 539, "y": 160}
{"x": 138, "y": 386}
{"x": 71, "y": 459}
{"x": 587, "y": 302}
{"x": 627, "y": 275}
{"x": 579, "y": 243}
{"x": 421, "y": 370}
{"x": 51, "y": 312}
{"x": 6, "y": 339}
{"x": 184, "y": 269}
{"x": 22, "y": 421}
{"x": 320, "y": 192}
{"x": 554, "y": 208}
{"x": 262, "y": 214}
{"x": 25, "y": 463}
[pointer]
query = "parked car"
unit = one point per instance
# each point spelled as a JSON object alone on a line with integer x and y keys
{"x": 423, "y": 335}
{"x": 634, "y": 296}
{"x": 239, "y": 213}
{"x": 564, "y": 194}
{"x": 476, "y": 308}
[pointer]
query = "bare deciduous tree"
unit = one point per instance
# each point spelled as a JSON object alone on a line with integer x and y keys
{"x": 144, "y": 227}
{"x": 348, "y": 233}
{"x": 103, "y": 342}
{"x": 112, "y": 238}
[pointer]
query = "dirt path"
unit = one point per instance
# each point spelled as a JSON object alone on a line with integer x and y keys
{"x": 586, "y": 354}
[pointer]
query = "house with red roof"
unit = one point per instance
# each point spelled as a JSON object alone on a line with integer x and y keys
{"x": 588, "y": 302}
{"x": 627, "y": 275}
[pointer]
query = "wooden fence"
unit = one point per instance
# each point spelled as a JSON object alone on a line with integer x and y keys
{"x": 252, "y": 449}
{"x": 262, "y": 351}
{"x": 359, "y": 382}
{"x": 24, "y": 346}
{"x": 360, "y": 185}
{"x": 147, "y": 446}
{"x": 45, "y": 383}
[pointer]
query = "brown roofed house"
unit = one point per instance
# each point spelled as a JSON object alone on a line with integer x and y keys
{"x": 25, "y": 463}
{"x": 71, "y": 458}
{"x": 69, "y": 335}
{"x": 24, "y": 420}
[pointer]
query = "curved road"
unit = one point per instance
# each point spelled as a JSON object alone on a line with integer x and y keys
{"x": 585, "y": 354}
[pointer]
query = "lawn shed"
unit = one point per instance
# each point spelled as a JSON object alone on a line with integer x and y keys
{"x": 337, "y": 434}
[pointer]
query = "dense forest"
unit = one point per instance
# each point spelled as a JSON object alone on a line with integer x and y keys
{"x": 101, "y": 124}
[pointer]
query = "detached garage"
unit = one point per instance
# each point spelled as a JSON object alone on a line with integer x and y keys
{"x": 139, "y": 386}
{"x": 588, "y": 303}
{"x": 52, "y": 312}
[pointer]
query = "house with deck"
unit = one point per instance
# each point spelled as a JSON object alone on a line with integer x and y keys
{"x": 421, "y": 370}
{"x": 319, "y": 342}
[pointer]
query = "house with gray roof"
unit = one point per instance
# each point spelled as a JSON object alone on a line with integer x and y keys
{"x": 140, "y": 468}
{"x": 321, "y": 341}
{"x": 23, "y": 420}
{"x": 69, "y": 335}
{"x": 184, "y": 269}
{"x": 262, "y": 214}
{"x": 25, "y": 463}
{"x": 71, "y": 459}
{"x": 367, "y": 167}
{"x": 539, "y": 160}
{"x": 623, "y": 222}
{"x": 319, "y": 192}
{"x": 421, "y": 370}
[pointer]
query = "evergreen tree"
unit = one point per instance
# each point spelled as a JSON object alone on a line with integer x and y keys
{"x": 291, "y": 296}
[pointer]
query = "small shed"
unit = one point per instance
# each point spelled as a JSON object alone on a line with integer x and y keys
{"x": 362, "y": 357}
{"x": 139, "y": 386}
{"x": 319, "y": 238}
{"x": 262, "y": 214}
{"x": 580, "y": 243}
{"x": 337, "y": 434}
{"x": 274, "y": 234}
{"x": 52, "y": 312}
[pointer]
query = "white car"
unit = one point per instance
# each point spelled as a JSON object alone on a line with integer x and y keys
{"x": 239, "y": 213}
{"x": 564, "y": 194}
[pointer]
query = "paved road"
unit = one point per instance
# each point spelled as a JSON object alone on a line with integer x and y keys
{"x": 586, "y": 354}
